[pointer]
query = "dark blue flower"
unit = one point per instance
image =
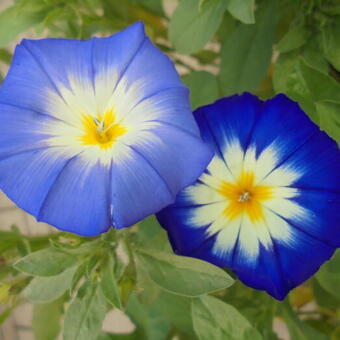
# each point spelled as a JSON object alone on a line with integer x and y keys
{"x": 96, "y": 133}
{"x": 268, "y": 205}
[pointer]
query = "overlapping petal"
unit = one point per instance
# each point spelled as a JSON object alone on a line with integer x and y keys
{"x": 268, "y": 204}
{"x": 96, "y": 133}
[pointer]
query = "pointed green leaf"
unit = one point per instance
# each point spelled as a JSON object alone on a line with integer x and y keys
{"x": 331, "y": 43}
{"x": 183, "y": 275}
{"x": 191, "y": 28}
{"x": 46, "y": 320}
{"x": 329, "y": 114}
{"x": 329, "y": 275}
{"x": 201, "y": 95}
{"x": 320, "y": 85}
{"x": 15, "y": 20}
{"x": 45, "y": 289}
{"x": 242, "y": 10}
{"x": 84, "y": 317}
{"x": 296, "y": 37}
{"x": 214, "y": 319}
{"x": 155, "y": 326}
{"x": 109, "y": 284}
{"x": 247, "y": 51}
{"x": 46, "y": 262}
{"x": 177, "y": 310}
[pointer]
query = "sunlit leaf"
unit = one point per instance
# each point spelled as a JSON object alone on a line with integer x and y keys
{"x": 191, "y": 28}
{"x": 45, "y": 262}
{"x": 45, "y": 289}
{"x": 214, "y": 319}
{"x": 242, "y": 10}
{"x": 46, "y": 320}
{"x": 109, "y": 283}
{"x": 85, "y": 315}
{"x": 15, "y": 20}
{"x": 183, "y": 275}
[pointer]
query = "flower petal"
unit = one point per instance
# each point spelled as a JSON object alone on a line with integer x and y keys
{"x": 286, "y": 157}
{"x": 162, "y": 142}
{"x": 137, "y": 189}
{"x": 79, "y": 204}
{"x": 101, "y": 130}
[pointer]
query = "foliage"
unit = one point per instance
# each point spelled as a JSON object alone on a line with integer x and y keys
{"x": 220, "y": 47}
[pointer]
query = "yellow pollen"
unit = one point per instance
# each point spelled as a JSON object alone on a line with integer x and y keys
{"x": 102, "y": 130}
{"x": 245, "y": 197}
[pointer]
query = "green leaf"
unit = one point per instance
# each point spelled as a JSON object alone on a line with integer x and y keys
{"x": 45, "y": 262}
{"x": 155, "y": 6}
{"x": 85, "y": 315}
{"x": 213, "y": 319}
{"x": 242, "y": 10}
{"x": 331, "y": 43}
{"x": 15, "y": 20}
{"x": 298, "y": 329}
{"x": 190, "y": 28}
{"x": 183, "y": 275}
{"x": 247, "y": 51}
{"x": 45, "y": 289}
{"x": 109, "y": 284}
{"x": 149, "y": 318}
{"x": 147, "y": 290}
{"x": 201, "y": 95}
{"x": 320, "y": 85}
{"x": 329, "y": 114}
{"x": 177, "y": 310}
{"x": 287, "y": 79}
{"x": 151, "y": 235}
{"x": 46, "y": 320}
{"x": 329, "y": 275}
{"x": 324, "y": 298}
{"x": 109, "y": 336}
{"x": 296, "y": 37}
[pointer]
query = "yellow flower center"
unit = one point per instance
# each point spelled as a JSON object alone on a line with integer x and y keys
{"x": 102, "y": 130}
{"x": 245, "y": 197}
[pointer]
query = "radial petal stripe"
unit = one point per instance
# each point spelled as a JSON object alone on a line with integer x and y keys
{"x": 270, "y": 193}
{"x": 107, "y": 122}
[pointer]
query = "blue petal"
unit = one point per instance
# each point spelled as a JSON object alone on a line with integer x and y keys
{"x": 27, "y": 176}
{"x": 177, "y": 156}
{"x": 284, "y": 262}
{"x": 77, "y": 189}
{"x": 325, "y": 215}
{"x": 79, "y": 203}
{"x": 169, "y": 107}
{"x": 152, "y": 77}
{"x": 42, "y": 66}
{"x": 184, "y": 238}
{"x": 319, "y": 161}
{"x": 137, "y": 189}
{"x": 283, "y": 123}
{"x": 20, "y": 130}
{"x": 228, "y": 118}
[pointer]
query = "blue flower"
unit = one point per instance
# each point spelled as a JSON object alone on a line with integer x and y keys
{"x": 96, "y": 133}
{"x": 268, "y": 205}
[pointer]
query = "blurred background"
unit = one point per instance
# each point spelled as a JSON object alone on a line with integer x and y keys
{"x": 220, "y": 47}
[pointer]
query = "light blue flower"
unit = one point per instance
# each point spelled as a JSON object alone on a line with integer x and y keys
{"x": 96, "y": 133}
{"x": 268, "y": 205}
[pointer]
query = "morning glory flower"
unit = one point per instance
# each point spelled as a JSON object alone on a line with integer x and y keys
{"x": 268, "y": 204}
{"x": 96, "y": 133}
